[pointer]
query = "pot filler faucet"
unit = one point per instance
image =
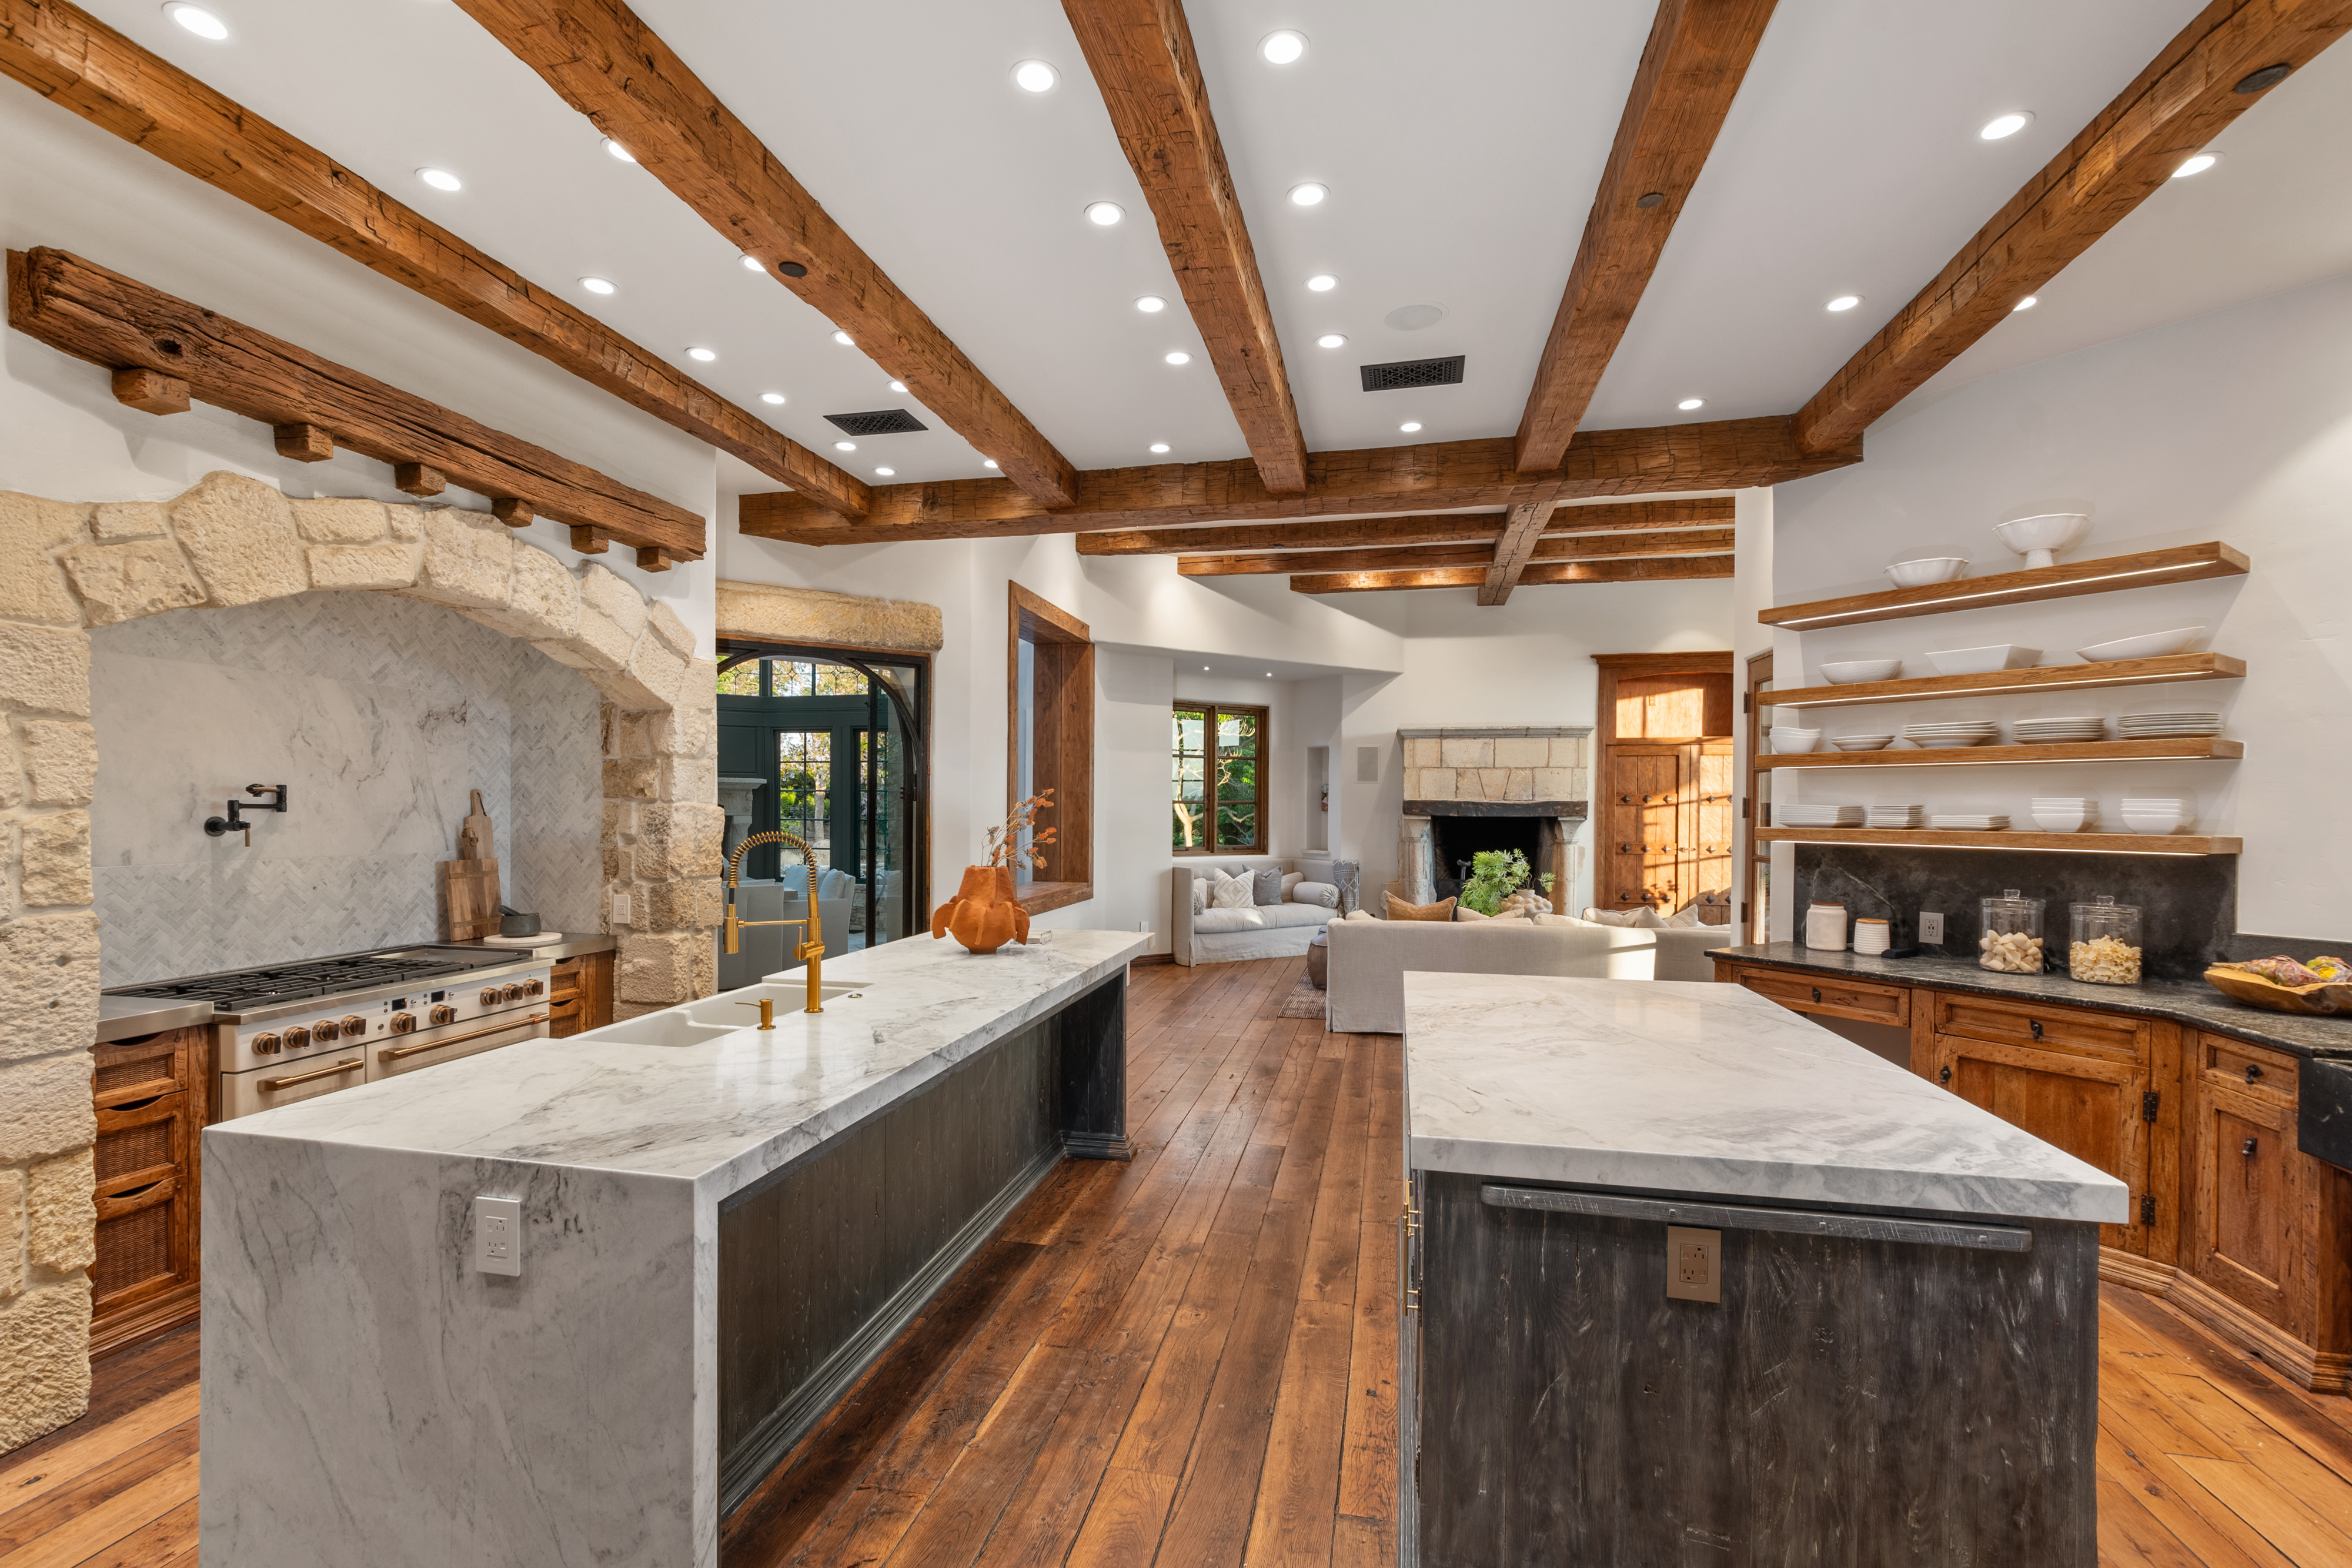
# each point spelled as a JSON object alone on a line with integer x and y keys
{"x": 811, "y": 951}
{"x": 217, "y": 827}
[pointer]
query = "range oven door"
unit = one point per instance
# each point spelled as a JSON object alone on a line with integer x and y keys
{"x": 390, "y": 1055}
{"x": 265, "y": 1088}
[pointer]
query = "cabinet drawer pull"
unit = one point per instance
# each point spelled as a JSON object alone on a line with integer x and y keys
{"x": 327, "y": 1072}
{"x": 2254, "y": 1072}
{"x": 1817, "y": 993}
{"x": 458, "y": 1038}
{"x": 2248, "y": 1150}
{"x": 2035, "y": 1025}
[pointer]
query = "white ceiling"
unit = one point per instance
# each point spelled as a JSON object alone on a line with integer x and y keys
{"x": 1461, "y": 145}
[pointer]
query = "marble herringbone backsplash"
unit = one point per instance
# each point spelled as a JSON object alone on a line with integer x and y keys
{"x": 381, "y": 714}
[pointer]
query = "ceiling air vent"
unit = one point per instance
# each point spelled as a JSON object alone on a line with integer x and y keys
{"x": 887, "y": 421}
{"x": 1399, "y": 375}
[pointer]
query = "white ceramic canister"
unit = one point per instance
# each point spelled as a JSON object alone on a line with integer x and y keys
{"x": 1825, "y": 926}
{"x": 1870, "y": 936}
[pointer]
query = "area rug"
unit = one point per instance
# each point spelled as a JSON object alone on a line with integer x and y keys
{"x": 1304, "y": 1001}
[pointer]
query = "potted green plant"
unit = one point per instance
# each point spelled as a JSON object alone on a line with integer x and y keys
{"x": 1495, "y": 875}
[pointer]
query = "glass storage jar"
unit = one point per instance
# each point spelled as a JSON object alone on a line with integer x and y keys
{"x": 2011, "y": 941}
{"x": 2103, "y": 944}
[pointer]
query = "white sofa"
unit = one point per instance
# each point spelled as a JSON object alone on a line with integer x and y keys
{"x": 1281, "y": 930}
{"x": 1364, "y": 986}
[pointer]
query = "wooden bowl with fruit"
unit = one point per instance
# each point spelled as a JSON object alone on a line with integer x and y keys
{"x": 2321, "y": 987}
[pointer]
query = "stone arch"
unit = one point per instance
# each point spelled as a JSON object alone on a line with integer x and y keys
{"x": 65, "y": 567}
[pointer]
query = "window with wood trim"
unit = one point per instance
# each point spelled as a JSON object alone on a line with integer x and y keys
{"x": 1217, "y": 763}
{"x": 1049, "y": 667}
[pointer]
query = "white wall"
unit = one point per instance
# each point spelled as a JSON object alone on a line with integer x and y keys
{"x": 2237, "y": 426}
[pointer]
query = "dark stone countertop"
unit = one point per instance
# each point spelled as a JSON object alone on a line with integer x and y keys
{"x": 2189, "y": 1002}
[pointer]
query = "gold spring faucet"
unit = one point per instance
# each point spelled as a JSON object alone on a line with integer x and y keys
{"x": 812, "y": 951}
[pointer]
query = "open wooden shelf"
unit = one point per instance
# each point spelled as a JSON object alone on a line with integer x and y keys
{"x": 2008, "y": 839}
{"x": 2040, "y": 678}
{"x": 2109, "y": 574}
{"x": 2197, "y": 749}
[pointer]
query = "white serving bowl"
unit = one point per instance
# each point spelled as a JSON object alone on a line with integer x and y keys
{"x": 1862, "y": 742}
{"x": 2155, "y": 645}
{"x": 2055, "y": 819}
{"x": 1928, "y": 568}
{"x": 1850, "y": 672}
{"x": 1983, "y": 661}
{"x": 2040, "y": 539}
{"x": 2140, "y": 823}
{"x": 1788, "y": 742}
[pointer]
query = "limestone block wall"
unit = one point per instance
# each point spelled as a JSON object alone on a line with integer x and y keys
{"x": 69, "y": 566}
{"x": 1530, "y": 764}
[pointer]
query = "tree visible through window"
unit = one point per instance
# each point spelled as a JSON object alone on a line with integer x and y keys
{"x": 1218, "y": 792}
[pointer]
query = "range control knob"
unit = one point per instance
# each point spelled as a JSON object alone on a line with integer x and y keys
{"x": 489, "y": 996}
{"x": 297, "y": 1037}
{"x": 445, "y": 1013}
{"x": 354, "y": 1026}
{"x": 265, "y": 1045}
{"x": 401, "y": 1023}
{"x": 534, "y": 987}
{"x": 511, "y": 993}
{"x": 325, "y": 1030}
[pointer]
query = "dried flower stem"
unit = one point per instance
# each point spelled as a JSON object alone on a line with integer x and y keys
{"x": 1004, "y": 843}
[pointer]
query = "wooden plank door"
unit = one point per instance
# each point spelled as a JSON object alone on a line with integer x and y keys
{"x": 1641, "y": 858}
{"x": 2090, "y": 1106}
{"x": 2245, "y": 1182}
{"x": 1706, "y": 869}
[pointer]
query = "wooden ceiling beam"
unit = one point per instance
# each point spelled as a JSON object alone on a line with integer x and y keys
{"x": 2197, "y": 85}
{"x": 1592, "y": 546}
{"x": 1542, "y": 573}
{"x": 1140, "y": 52}
{"x": 604, "y": 60}
{"x": 1523, "y": 526}
{"x": 1691, "y": 68}
{"x": 1437, "y": 527}
{"x": 78, "y": 63}
{"x": 1723, "y": 455}
{"x": 315, "y": 405}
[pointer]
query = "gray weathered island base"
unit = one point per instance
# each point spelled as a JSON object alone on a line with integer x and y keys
{"x": 722, "y": 1227}
{"x": 1901, "y": 1367}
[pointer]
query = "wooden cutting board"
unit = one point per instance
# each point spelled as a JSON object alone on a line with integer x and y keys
{"x": 469, "y": 899}
{"x": 474, "y": 841}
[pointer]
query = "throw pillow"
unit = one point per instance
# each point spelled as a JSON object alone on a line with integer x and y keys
{"x": 1291, "y": 879}
{"x": 1200, "y": 883}
{"x": 1266, "y": 886}
{"x": 1360, "y": 914}
{"x": 1321, "y": 893}
{"x": 1400, "y": 910}
{"x": 1645, "y": 917}
{"x": 1465, "y": 915}
{"x": 1684, "y": 917}
{"x": 1233, "y": 893}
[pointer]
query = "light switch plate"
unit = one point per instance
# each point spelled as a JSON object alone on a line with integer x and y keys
{"x": 620, "y": 909}
{"x": 1931, "y": 926}
{"x": 498, "y": 1235}
{"x": 1694, "y": 1264}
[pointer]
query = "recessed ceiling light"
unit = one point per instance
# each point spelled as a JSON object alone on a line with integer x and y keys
{"x": 776, "y": 398}
{"x": 1410, "y": 426}
{"x": 1844, "y": 302}
{"x": 2028, "y": 303}
{"x": 1322, "y": 283}
{"x": 1179, "y": 356}
{"x": 1308, "y": 194}
{"x": 845, "y": 447}
{"x": 1689, "y": 403}
{"x": 898, "y": 386}
{"x": 1282, "y": 48}
{"x": 1036, "y": 75}
{"x": 2197, "y": 165}
{"x": 705, "y": 355}
{"x": 619, "y": 151}
{"x": 1102, "y": 214}
{"x": 199, "y": 21}
{"x": 751, "y": 264}
{"x": 597, "y": 285}
{"x": 885, "y": 473}
{"x": 843, "y": 339}
{"x": 1204, "y": 669}
{"x": 440, "y": 179}
{"x": 988, "y": 463}
{"x": 1331, "y": 341}
{"x": 1151, "y": 304}
{"x": 2002, "y": 127}
{"x": 1269, "y": 674}
{"x": 1159, "y": 446}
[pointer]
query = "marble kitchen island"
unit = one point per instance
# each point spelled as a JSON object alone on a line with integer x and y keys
{"x": 1692, "y": 1279}
{"x": 718, "y": 1226}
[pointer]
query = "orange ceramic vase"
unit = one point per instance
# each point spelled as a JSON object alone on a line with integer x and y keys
{"x": 983, "y": 914}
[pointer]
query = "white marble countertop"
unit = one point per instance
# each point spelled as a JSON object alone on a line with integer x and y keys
{"x": 1699, "y": 1088}
{"x": 724, "y": 1111}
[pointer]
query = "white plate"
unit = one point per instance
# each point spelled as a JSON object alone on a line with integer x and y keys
{"x": 1862, "y": 742}
{"x": 1848, "y": 672}
{"x": 2154, "y": 645}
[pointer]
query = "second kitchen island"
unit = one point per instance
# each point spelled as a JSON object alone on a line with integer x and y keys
{"x": 1692, "y": 1279}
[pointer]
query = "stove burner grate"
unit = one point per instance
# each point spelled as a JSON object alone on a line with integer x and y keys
{"x": 243, "y": 989}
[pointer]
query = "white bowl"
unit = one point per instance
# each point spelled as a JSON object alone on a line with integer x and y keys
{"x": 2155, "y": 645}
{"x": 2040, "y": 539}
{"x": 1983, "y": 661}
{"x": 1928, "y": 568}
{"x": 2061, "y": 822}
{"x": 1788, "y": 744}
{"x": 1862, "y": 742}
{"x": 2140, "y": 824}
{"x": 1851, "y": 670}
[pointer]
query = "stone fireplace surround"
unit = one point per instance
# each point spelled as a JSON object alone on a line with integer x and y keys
{"x": 1539, "y": 772}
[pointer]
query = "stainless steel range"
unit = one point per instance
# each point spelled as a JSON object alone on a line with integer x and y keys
{"x": 290, "y": 1031}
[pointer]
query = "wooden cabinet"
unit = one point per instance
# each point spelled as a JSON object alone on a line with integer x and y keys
{"x": 2091, "y": 1104}
{"x": 2246, "y": 1177}
{"x": 150, "y": 1095}
{"x": 1833, "y": 996}
{"x": 580, "y": 994}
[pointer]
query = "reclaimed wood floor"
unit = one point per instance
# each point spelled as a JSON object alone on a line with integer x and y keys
{"x": 1187, "y": 1361}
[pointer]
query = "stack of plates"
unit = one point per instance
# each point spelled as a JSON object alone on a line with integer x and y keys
{"x": 1817, "y": 816}
{"x": 2164, "y": 726}
{"x": 2052, "y": 731}
{"x": 1896, "y": 817}
{"x": 1965, "y": 732}
{"x": 1964, "y": 824}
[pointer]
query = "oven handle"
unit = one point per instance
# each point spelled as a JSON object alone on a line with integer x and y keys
{"x": 458, "y": 1038}
{"x": 327, "y": 1072}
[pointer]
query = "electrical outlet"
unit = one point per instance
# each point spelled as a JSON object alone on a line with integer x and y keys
{"x": 620, "y": 909}
{"x": 1694, "y": 1264}
{"x": 1931, "y": 926}
{"x": 498, "y": 1235}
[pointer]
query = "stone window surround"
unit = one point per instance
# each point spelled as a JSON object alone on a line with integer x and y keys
{"x": 65, "y": 567}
